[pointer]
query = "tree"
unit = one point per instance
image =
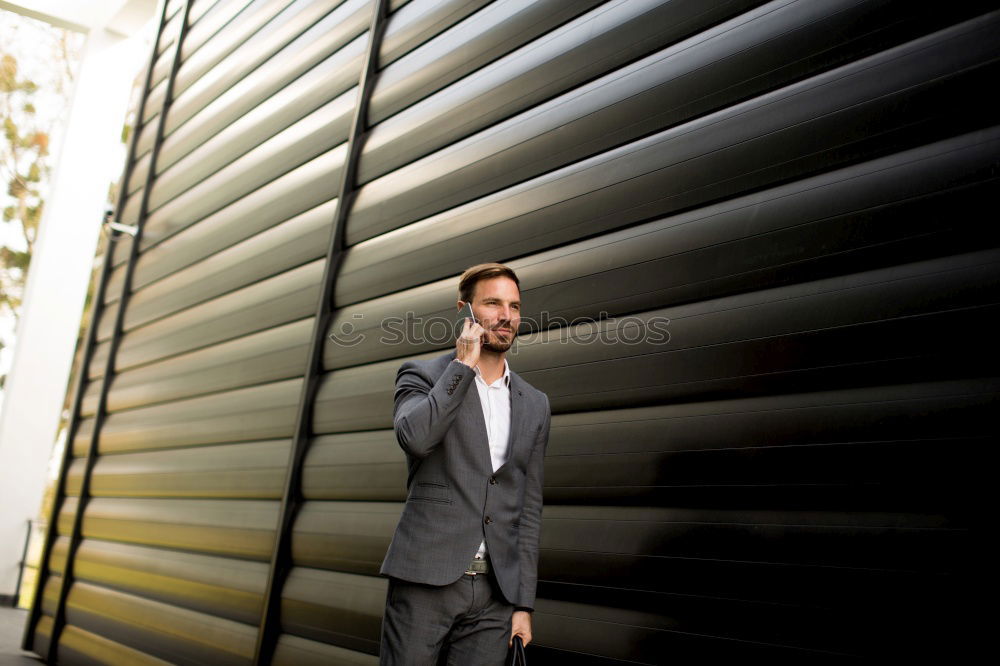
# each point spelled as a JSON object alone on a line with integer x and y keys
{"x": 23, "y": 164}
{"x": 29, "y": 108}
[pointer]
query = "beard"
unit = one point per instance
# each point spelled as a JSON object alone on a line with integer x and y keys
{"x": 496, "y": 343}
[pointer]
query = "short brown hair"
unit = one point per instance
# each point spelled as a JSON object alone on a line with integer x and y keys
{"x": 472, "y": 275}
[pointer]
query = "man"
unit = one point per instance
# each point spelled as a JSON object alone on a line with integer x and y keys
{"x": 463, "y": 562}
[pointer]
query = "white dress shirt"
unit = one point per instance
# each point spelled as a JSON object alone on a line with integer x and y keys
{"x": 495, "y": 400}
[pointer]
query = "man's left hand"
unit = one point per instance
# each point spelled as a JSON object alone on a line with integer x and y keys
{"x": 520, "y": 625}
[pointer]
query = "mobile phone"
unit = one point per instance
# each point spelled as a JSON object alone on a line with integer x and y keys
{"x": 466, "y": 312}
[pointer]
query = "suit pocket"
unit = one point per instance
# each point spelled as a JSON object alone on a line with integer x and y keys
{"x": 436, "y": 493}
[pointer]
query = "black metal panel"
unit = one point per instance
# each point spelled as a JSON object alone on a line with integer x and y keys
{"x": 494, "y": 31}
{"x": 271, "y": 98}
{"x": 296, "y": 651}
{"x": 272, "y": 617}
{"x": 293, "y": 194}
{"x": 806, "y": 487}
{"x": 337, "y": 608}
{"x": 245, "y": 470}
{"x": 878, "y": 213}
{"x": 238, "y": 18}
{"x": 283, "y": 28}
{"x": 235, "y": 528}
{"x": 44, "y": 581}
{"x": 734, "y": 61}
{"x": 175, "y": 635}
{"x": 354, "y": 466}
{"x": 277, "y": 300}
{"x": 226, "y": 587}
{"x": 264, "y": 411}
{"x": 278, "y": 353}
{"x": 82, "y": 510}
{"x": 840, "y": 331}
{"x": 268, "y": 251}
{"x": 593, "y": 44}
{"x": 898, "y": 96}
{"x": 836, "y": 449}
{"x": 83, "y": 647}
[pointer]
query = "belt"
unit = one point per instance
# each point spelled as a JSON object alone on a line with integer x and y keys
{"x": 478, "y": 566}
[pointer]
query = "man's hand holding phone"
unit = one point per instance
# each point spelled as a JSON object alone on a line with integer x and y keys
{"x": 470, "y": 340}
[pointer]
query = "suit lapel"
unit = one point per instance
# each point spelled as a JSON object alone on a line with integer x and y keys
{"x": 515, "y": 439}
{"x": 472, "y": 402}
{"x": 517, "y": 414}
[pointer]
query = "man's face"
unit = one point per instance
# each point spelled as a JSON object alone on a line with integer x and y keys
{"x": 496, "y": 302}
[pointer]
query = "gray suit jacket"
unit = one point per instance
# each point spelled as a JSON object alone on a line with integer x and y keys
{"x": 455, "y": 500}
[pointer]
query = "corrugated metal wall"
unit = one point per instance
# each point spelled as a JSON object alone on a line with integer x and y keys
{"x": 774, "y": 216}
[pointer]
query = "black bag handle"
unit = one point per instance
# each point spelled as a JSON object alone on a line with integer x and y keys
{"x": 517, "y": 657}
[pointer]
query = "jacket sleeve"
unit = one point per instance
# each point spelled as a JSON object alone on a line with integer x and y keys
{"x": 422, "y": 412}
{"x": 531, "y": 516}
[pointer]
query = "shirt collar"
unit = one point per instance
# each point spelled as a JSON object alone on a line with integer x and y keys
{"x": 506, "y": 373}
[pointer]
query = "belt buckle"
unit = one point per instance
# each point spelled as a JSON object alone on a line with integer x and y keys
{"x": 477, "y": 567}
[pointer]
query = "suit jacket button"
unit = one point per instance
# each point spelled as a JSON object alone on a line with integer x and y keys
{"x": 488, "y": 520}
{"x": 493, "y": 480}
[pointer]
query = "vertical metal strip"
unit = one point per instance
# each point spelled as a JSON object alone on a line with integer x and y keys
{"x": 89, "y": 345}
{"x": 59, "y": 620}
{"x": 23, "y": 563}
{"x": 291, "y": 499}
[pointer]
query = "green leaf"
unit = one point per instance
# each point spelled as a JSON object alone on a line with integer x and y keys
{"x": 10, "y": 130}
{"x": 8, "y": 73}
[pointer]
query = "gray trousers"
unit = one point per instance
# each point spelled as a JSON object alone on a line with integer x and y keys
{"x": 466, "y": 623}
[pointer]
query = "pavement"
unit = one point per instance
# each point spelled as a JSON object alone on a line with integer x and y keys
{"x": 11, "y": 629}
